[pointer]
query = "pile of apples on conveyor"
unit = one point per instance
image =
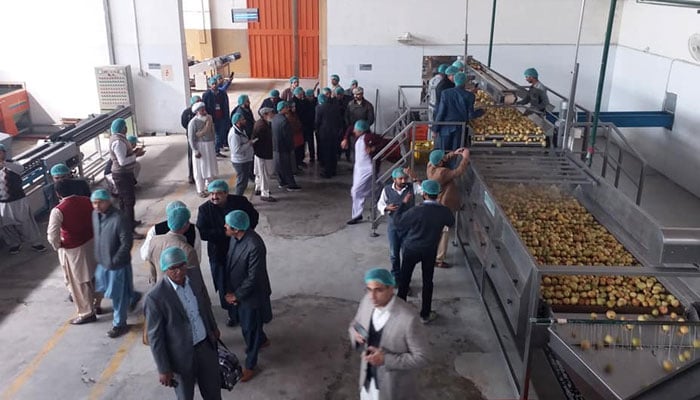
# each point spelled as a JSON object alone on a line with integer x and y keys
{"x": 505, "y": 123}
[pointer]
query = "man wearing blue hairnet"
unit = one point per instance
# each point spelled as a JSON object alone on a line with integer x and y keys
{"x": 216, "y": 103}
{"x": 114, "y": 275}
{"x": 394, "y": 345}
{"x": 283, "y": 146}
{"x": 210, "y": 222}
{"x": 61, "y": 172}
{"x": 178, "y": 222}
{"x": 181, "y": 329}
{"x": 432, "y": 87}
{"x": 389, "y": 202}
{"x": 123, "y": 156}
{"x": 456, "y": 105}
{"x": 271, "y": 101}
{"x": 423, "y": 225}
{"x": 247, "y": 286}
{"x": 242, "y": 153}
{"x": 536, "y": 95}
{"x": 191, "y": 235}
{"x": 328, "y": 122}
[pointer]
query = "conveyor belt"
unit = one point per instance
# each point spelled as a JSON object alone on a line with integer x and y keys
{"x": 544, "y": 167}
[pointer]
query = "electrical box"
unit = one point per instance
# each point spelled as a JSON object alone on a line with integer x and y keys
{"x": 114, "y": 87}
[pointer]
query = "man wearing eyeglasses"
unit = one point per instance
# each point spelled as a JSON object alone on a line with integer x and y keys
{"x": 393, "y": 341}
{"x": 181, "y": 329}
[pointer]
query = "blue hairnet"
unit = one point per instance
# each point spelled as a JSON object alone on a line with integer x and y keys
{"x": 218, "y": 185}
{"x": 100, "y": 194}
{"x": 132, "y": 139}
{"x": 178, "y": 217}
{"x": 238, "y": 219}
{"x": 531, "y": 72}
{"x": 322, "y": 98}
{"x": 293, "y": 79}
{"x": 398, "y": 173}
{"x": 298, "y": 90}
{"x": 310, "y": 92}
{"x": 458, "y": 64}
{"x": 436, "y": 156}
{"x": 336, "y": 77}
{"x": 361, "y": 125}
{"x": 218, "y": 76}
{"x": 59, "y": 170}
{"x": 460, "y": 78}
{"x": 242, "y": 98}
{"x": 274, "y": 93}
{"x": 172, "y": 256}
{"x": 236, "y": 117}
{"x": 326, "y": 90}
{"x": 380, "y": 275}
{"x": 194, "y": 99}
{"x": 430, "y": 187}
{"x": 173, "y": 205}
{"x": 451, "y": 70}
{"x": 212, "y": 81}
{"x": 339, "y": 90}
{"x": 119, "y": 125}
{"x": 353, "y": 82}
{"x": 442, "y": 68}
{"x": 281, "y": 105}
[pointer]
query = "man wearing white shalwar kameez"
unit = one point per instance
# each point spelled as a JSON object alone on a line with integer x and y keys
{"x": 361, "y": 173}
{"x": 71, "y": 237}
{"x": 200, "y": 136}
{"x": 16, "y": 219}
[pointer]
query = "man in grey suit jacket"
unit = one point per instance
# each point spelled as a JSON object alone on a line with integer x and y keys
{"x": 181, "y": 329}
{"x": 247, "y": 285}
{"x": 394, "y": 341}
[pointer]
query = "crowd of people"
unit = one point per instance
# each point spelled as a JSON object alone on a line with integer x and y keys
{"x": 180, "y": 328}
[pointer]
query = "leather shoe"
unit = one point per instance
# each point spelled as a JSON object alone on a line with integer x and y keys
{"x": 266, "y": 344}
{"x": 257, "y": 193}
{"x": 247, "y": 375}
{"x": 355, "y": 220}
{"x": 442, "y": 264}
{"x": 117, "y": 331}
{"x": 269, "y": 199}
{"x": 231, "y": 323}
{"x": 135, "y": 301}
{"x": 83, "y": 320}
{"x": 99, "y": 311}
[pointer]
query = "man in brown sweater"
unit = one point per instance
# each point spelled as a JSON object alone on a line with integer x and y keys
{"x": 440, "y": 171}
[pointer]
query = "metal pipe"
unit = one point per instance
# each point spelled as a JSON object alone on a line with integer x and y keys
{"x": 601, "y": 79}
{"x": 295, "y": 35}
{"x": 640, "y": 185}
{"x": 493, "y": 24}
{"x": 571, "y": 106}
{"x": 110, "y": 34}
{"x": 466, "y": 27}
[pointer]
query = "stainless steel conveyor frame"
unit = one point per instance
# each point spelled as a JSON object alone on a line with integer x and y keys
{"x": 509, "y": 277}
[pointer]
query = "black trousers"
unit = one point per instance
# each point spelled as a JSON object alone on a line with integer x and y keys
{"x": 127, "y": 198}
{"x": 283, "y": 167}
{"x": 328, "y": 156}
{"x": 190, "y": 177}
{"x": 309, "y": 141}
{"x": 205, "y": 374}
{"x": 251, "y": 320}
{"x": 408, "y": 264}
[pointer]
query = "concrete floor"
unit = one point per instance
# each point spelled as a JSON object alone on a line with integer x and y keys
{"x": 316, "y": 264}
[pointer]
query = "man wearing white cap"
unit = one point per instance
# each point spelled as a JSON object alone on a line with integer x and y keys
{"x": 201, "y": 136}
{"x": 16, "y": 218}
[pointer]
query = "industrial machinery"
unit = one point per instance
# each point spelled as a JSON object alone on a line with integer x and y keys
{"x": 200, "y": 71}
{"x": 14, "y": 109}
{"x": 541, "y": 233}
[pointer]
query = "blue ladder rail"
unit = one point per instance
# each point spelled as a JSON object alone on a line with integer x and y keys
{"x": 628, "y": 119}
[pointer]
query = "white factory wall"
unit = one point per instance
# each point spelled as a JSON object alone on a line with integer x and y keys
{"x": 520, "y": 42}
{"x": 151, "y": 33}
{"x": 196, "y": 14}
{"x": 44, "y": 47}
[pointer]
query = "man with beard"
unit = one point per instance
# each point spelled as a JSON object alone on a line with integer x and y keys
{"x": 201, "y": 138}
{"x": 216, "y": 102}
{"x": 329, "y": 125}
{"x": 210, "y": 222}
{"x": 243, "y": 108}
{"x": 241, "y": 146}
{"x": 283, "y": 146}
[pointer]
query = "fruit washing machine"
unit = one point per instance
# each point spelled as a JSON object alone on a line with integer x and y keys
{"x": 579, "y": 281}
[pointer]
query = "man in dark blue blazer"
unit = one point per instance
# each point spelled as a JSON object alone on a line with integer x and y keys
{"x": 456, "y": 105}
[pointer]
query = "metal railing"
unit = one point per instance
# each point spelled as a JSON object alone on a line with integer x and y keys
{"x": 406, "y": 141}
{"x": 614, "y": 137}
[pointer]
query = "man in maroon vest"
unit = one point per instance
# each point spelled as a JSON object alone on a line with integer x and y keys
{"x": 71, "y": 236}
{"x": 123, "y": 158}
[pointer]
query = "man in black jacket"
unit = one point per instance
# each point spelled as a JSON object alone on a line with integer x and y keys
{"x": 181, "y": 329}
{"x": 423, "y": 225}
{"x": 210, "y": 222}
{"x": 247, "y": 286}
{"x": 283, "y": 145}
{"x": 185, "y": 118}
{"x": 444, "y": 84}
{"x": 17, "y": 224}
{"x": 329, "y": 125}
{"x": 113, "y": 276}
